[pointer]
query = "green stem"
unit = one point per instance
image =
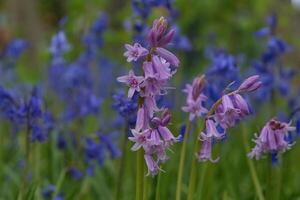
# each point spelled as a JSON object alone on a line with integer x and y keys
{"x": 157, "y": 190}
{"x": 181, "y": 162}
{"x": 202, "y": 178}
{"x": 274, "y": 179}
{"x": 122, "y": 166}
{"x": 59, "y": 183}
{"x": 146, "y": 186}
{"x": 139, "y": 176}
{"x": 252, "y": 169}
{"x": 194, "y": 171}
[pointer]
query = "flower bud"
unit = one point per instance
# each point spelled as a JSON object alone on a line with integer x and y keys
{"x": 250, "y": 84}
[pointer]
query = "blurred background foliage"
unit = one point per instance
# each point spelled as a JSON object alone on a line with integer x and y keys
{"x": 230, "y": 22}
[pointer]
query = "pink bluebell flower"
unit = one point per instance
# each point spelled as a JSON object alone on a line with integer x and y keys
{"x": 135, "y": 52}
{"x": 151, "y": 132}
{"x": 132, "y": 81}
{"x": 158, "y": 35}
{"x": 211, "y": 130}
{"x": 140, "y": 138}
{"x": 195, "y": 99}
{"x": 226, "y": 114}
{"x": 151, "y": 164}
{"x": 205, "y": 153}
{"x": 168, "y": 56}
{"x": 211, "y": 133}
{"x": 240, "y": 103}
{"x": 272, "y": 139}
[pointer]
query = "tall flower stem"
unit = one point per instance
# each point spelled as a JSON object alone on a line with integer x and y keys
{"x": 274, "y": 171}
{"x": 122, "y": 165}
{"x": 274, "y": 181}
{"x": 252, "y": 169}
{"x": 194, "y": 171}
{"x": 139, "y": 175}
{"x": 181, "y": 161}
{"x": 157, "y": 190}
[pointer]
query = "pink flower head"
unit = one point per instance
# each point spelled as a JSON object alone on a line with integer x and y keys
{"x": 195, "y": 99}
{"x": 134, "y": 52}
{"x": 140, "y": 138}
{"x": 158, "y": 36}
{"x": 161, "y": 68}
{"x": 152, "y": 84}
{"x": 226, "y": 114}
{"x": 159, "y": 125}
{"x": 272, "y": 139}
{"x": 132, "y": 81}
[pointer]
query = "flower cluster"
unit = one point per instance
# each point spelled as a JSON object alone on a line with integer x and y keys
{"x": 272, "y": 139}
{"x": 225, "y": 112}
{"x": 151, "y": 132}
{"x": 28, "y": 113}
{"x": 274, "y": 76}
{"x": 95, "y": 150}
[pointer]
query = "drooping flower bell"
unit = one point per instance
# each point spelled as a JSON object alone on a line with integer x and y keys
{"x": 211, "y": 134}
{"x": 272, "y": 139}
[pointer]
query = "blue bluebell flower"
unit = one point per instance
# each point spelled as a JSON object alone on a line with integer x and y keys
{"x": 15, "y": 48}
{"x": 113, "y": 149}
{"x": 48, "y": 192}
{"x": 126, "y": 107}
{"x": 75, "y": 173}
{"x": 275, "y": 77}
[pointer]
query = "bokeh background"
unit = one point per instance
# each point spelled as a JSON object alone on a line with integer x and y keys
{"x": 226, "y": 24}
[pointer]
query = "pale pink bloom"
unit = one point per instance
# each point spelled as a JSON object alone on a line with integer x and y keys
{"x": 134, "y": 52}
{"x": 272, "y": 139}
{"x": 132, "y": 81}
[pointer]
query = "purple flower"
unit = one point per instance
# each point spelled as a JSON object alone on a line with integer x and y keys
{"x": 157, "y": 37}
{"x": 240, "y": 103}
{"x": 250, "y": 84}
{"x": 226, "y": 113}
{"x": 134, "y": 52}
{"x": 205, "y": 152}
{"x": 140, "y": 138}
{"x": 15, "y": 48}
{"x": 142, "y": 119}
{"x": 161, "y": 68}
{"x": 152, "y": 85}
{"x": 59, "y": 44}
{"x": 151, "y": 132}
{"x": 272, "y": 139}
{"x": 211, "y": 130}
{"x": 168, "y": 56}
{"x": 195, "y": 99}
{"x": 132, "y": 81}
{"x": 151, "y": 164}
